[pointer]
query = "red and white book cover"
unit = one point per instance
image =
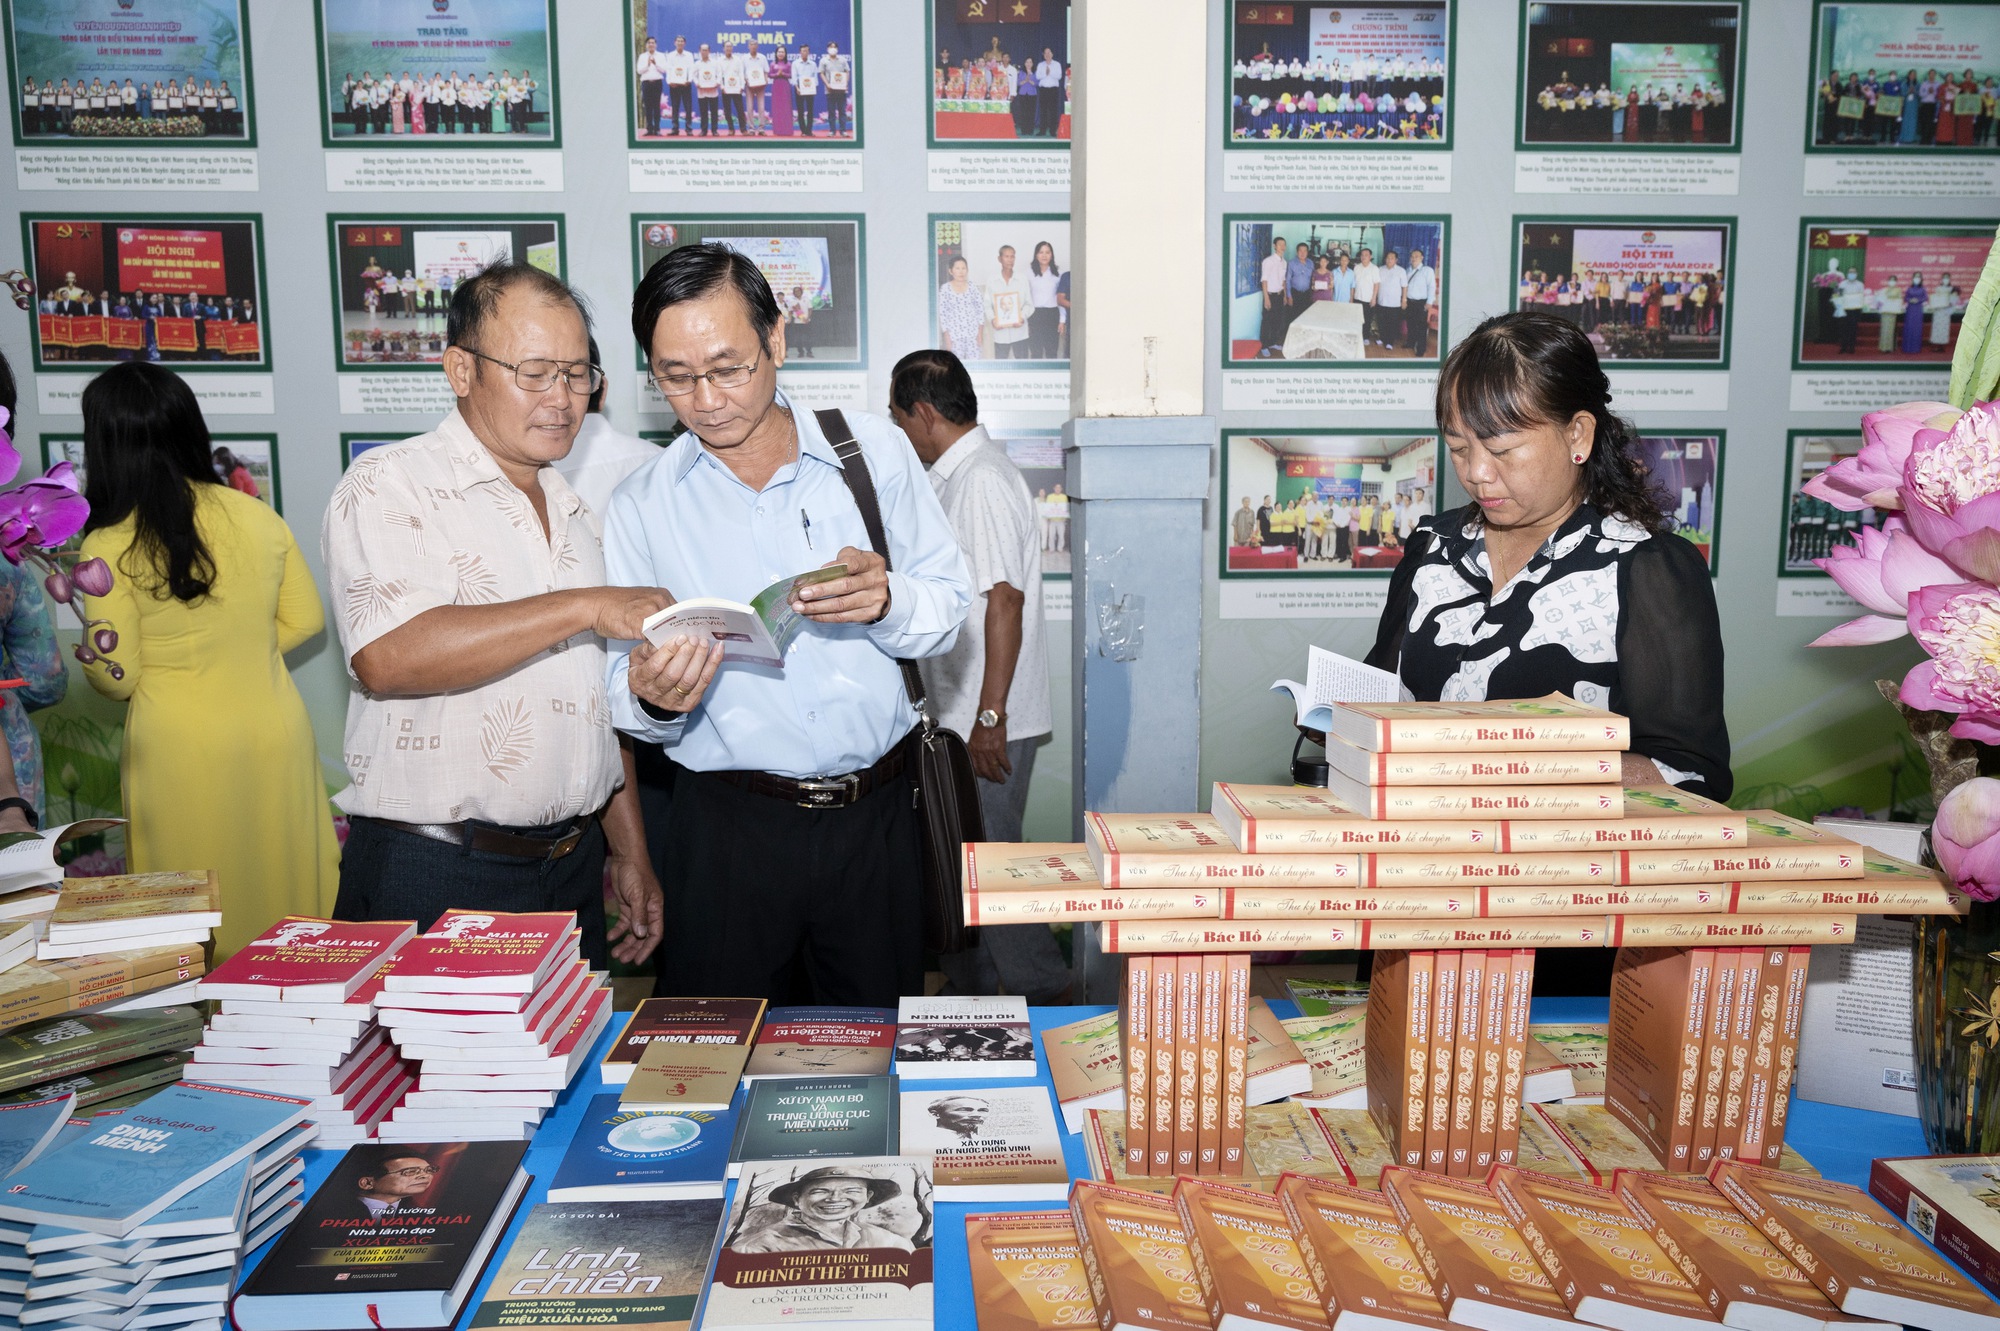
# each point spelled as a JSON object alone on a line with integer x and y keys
{"x": 301, "y": 959}
{"x": 542, "y": 1025}
{"x": 482, "y": 952}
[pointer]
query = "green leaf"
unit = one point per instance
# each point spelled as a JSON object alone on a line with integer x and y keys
{"x": 1975, "y": 365}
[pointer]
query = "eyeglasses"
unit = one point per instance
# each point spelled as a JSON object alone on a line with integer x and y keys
{"x": 411, "y": 1171}
{"x": 539, "y": 376}
{"x": 729, "y": 376}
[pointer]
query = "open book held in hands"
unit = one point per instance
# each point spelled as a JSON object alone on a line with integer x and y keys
{"x": 757, "y": 633}
{"x": 1332, "y": 678}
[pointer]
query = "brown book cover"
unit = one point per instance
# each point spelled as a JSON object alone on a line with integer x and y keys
{"x": 1346, "y": 934}
{"x": 1360, "y": 1151}
{"x": 1249, "y": 1263}
{"x": 1166, "y": 1021}
{"x": 1602, "y": 1259}
{"x": 1187, "y": 1061}
{"x": 1086, "y": 1064}
{"x": 1465, "y": 1061}
{"x": 674, "y": 1076}
{"x": 1763, "y": 1069}
{"x": 1656, "y": 1031}
{"x": 1208, "y": 1111}
{"x": 1572, "y": 767}
{"x": 1858, "y": 1254}
{"x": 1714, "y": 1057}
{"x": 1949, "y": 1200}
{"x": 1104, "y": 1146}
{"x": 1136, "y": 1256}
{"x": 1135, "y": 1029}
{"x": 1656, "y": 817}
{"x": 1296, "y": 819}
{"x": 1443, "y": 1058}
{"x": 1791, "y": 1016}
{"x": 1190, "y": 850}
{"x": 1483, "y": 1271}
{"x": 1360, "y": 1262}
{"x": 1514, "y": 1054}
{"x": 1235, "y": 1059}
{"x": 729, "y": 1022}
{"x": 1777, "y": 847}
{"x": 1027, "y": 1272}
{"x": 1743, "y": 1280}
{"x": 1598, "y": 1144}
{"x": 1742, "y": 1045}
{"x": 1492, "y": 1049}
{"x": 1561, "y": 869}
{"x": 1391, "y": 804}
{"x": 1523, "y": 725}
{"x": 1398, "y": 1050}
{"x": 1723, "y": 930}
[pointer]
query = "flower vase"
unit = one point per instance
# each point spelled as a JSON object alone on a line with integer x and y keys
{"x": 1957, "y": 982}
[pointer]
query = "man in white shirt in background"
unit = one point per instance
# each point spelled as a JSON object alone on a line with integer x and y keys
{"x": 1392, "y": 292}
{"x": 757, "y": 88}
{"x": 805, "y": 90}
{"x": 1338, "y": 515}
{"x": 837, "y": 72}
{"x": 1367, "y": 286}
{"x": 651, "y": 70}
{"x": 1421, "y": 289}
{"x": 1272, "y": 277}
{"x": 1008, "y": 302}
{"x": 733, "y": 76}
{"x": 1049, "y": 94}
{"x": 679, "y": 66}
{"x": 708, "y": 90}
{"x": 992, "y": 687}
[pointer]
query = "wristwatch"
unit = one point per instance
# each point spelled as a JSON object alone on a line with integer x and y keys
{"x": 989, "y": 717}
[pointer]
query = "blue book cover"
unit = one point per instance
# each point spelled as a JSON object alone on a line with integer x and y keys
{"x": 113, "y": 1178}
{"x": 216, "y": 1207}
{"x": 26, "y": 1130}
{"x": 633, "y": 1155}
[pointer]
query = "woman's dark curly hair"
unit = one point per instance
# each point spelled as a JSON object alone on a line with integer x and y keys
{"x": 1518, "y": 371}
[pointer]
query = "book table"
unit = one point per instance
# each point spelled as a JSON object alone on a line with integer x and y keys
{"x": 1840, "y": 1143}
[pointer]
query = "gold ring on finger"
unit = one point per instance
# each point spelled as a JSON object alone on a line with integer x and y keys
{"x": 685, "y": 693}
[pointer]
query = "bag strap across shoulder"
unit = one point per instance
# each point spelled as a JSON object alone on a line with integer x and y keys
{"x": 854, "y": 470}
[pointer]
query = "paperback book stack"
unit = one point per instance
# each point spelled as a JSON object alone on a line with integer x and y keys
{"x": 298, "y": 1017}
{"x": 140, "y": 910}
{"x": 1445, "y": 1052}
{"x": 1704, "y": 1045}
{"x": 29, "y": 874}
{"x": 102, "y": 1058}
{"x": 1185, "y": 1036}
{"x": 499, "y": 1012}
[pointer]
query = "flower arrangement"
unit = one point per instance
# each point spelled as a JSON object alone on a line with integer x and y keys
{"x": 124, "y": 127}
{"x": 37, "y": 519}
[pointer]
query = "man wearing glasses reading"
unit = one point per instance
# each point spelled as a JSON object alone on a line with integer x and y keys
{"x": 468, "y": 581}
{"x": 795, "y": 846}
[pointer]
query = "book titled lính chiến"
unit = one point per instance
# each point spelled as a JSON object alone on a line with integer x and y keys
{"x": 705, "y": 1022}
{"x": 757, "y": 632}
{"x": 823, "y": 1042}
{"x": 963, "y": 1037}
{"x": 1525, "y": 725}
{"x": 1479, "y": 1264}
{"x": 808, "y": 1118}
{"x": 1135, "y": 1252}
{"x": 620, "y": 1262}
{"x": 1027, "y": 1272}
{"x": 1247, "y": 1257}
{"x": 1360, "y": 1261}
{"x": 302, "y": 959}
{"x": 618, "y": 1154}
{"x": 840, "y": 1243}
{"x": 995, "y": 1144}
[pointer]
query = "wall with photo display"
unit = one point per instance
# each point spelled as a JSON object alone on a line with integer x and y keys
{"x": 1689, "y": 180}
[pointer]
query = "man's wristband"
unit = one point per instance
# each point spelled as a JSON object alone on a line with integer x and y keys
{"x": 657, "y": 713}
{"x": 27, "y": 810}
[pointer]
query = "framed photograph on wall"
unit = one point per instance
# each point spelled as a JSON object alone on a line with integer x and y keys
{"x": 744, "y": 73}
{"x": 1000, "y": 286}
{"x": 393, "y": 277}
{"x": 815, "y": 262}
{"x": 1039, "y": 455}
{"x": 1812, "y": 527}
{"x": 353, "y": 446}
{"x": 246, "y": 462}
{"x": 437, "y": 73}
{"x": 1330, "y": 291}
{"x": 183, "y": 288}
{"x": 1000, "y": 73}
{"x": 1887, "y": 293}
{"x": 1322, "y": 503}
{"x": 1896, "y": 76}
{"x": 1310, "y": 76}
{"x": 1687, "y": 474}
{"x": 99, "y": 73}
{"x": 1631, "y": 75}
{"x": 1649, "y": 294}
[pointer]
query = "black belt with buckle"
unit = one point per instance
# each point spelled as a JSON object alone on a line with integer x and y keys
{"x": 819, "y": 792}
{"x": 562, "y": 839}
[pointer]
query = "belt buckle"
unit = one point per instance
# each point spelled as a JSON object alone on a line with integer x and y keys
{"x": 828, "y": 792}
{"x": 565, "y": 843}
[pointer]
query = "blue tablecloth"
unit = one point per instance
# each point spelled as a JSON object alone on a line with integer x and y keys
{"x": 1841, "y": 1143}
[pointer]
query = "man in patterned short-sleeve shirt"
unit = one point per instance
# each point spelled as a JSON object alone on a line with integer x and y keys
{"x": 468, "y": 585}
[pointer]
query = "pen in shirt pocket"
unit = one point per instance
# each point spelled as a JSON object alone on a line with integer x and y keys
{"x": 806, "y": 525}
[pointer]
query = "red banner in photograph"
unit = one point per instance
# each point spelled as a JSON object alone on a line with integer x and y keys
{"x": 175, "y": 335}
{"x": 87, "y": 330}
{"x": 55, "y": 330}
{"x": 128, "y": 335}
{"x": 237, "y": 339}
{"x": 156, "y": 259}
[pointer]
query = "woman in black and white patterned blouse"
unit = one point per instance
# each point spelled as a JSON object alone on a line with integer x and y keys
{"x": 1562, "y": 573}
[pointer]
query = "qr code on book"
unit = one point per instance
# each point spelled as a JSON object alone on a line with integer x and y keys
{"x": 1922, "y": 1218}
{"x": 1899, "y": 1079}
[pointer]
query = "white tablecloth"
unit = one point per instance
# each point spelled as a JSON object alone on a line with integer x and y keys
{"x": 1328, "y": 330}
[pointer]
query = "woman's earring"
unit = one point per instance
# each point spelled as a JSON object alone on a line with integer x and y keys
{"x": 1577, "y": 458}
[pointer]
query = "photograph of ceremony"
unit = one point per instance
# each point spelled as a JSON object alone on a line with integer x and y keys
{"x": 1329, "y": 289}
{"x": 1880, "y": 293}
{"x": 771, "y": 72}
{"x": 1642, "y": 292}
{"x": 419, "y": 72}
{"x": 395, "y": 277}
{"x": 1363, "y": 74}
{"x": 1627, "y": 74}
{"x": 244, "y": 462}
{"x": 98, "y": 72}
{"x": 1323, "y": 502}
{"x": 1813, "y": 527}
{"x": 814, "y": 264}
{"x": 1897, "y": 76}
{"x": 1002, "y": 286}
{"x": 1000, "y": 73}
{"x": 1039, "y": 456}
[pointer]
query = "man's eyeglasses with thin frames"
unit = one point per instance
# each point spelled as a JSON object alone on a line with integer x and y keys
{"x": 539, "y": 376}
{"x": 729, "y": 376}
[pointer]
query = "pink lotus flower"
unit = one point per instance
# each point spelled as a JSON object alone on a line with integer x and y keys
{"x": 1959, "y": 625}
{"x": 1966, "y": 837}
{"x": 1869, "y": 478}
{"x": 1881, "y": 570}
{"x": 1951, "y": 491}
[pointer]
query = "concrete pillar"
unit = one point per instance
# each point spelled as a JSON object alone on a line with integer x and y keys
{"x": 1138, "y": 447}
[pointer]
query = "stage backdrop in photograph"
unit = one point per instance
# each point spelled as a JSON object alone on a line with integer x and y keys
{"x": 394, "y": 277}
{"x": 1373, "y": 73}
{"x": 437, "y": 38}
{"x": 1885, "y": 293}
{"x": 724, "y": 24}
{"x": 1871, "y": 63}
{"x": 812, "y": 261}
{"x": 197, "y": 43}
{"x": 975, "y": 97}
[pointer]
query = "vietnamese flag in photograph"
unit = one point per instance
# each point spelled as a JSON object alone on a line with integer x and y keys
{"x": 359, "y": 236}
{"x": 1280, "y": 16}
{"x": 155, "y": 259}
{"x": 999, "y": 11}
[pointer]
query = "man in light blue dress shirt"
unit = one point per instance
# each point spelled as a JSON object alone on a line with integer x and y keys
{"x": 795, "y": 840}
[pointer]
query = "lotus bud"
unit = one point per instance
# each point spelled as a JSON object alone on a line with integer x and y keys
{"x": 1966, "y": 837}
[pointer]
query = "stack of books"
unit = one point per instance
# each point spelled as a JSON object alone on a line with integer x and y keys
{"x": 1185, "y": 1028}
{"x": 140, "y": 910}
{"x": 104, "y": 1059}
{"x": 499, "y": 1012}
{"x": 683, "y": 1053}
{"x": 1704, "y": 1045}
{"x": 1446, "y": 1055}
{"x": 29, "y": 874}
{"x": 298, "y": 1016}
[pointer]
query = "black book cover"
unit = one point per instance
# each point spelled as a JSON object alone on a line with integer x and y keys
{"x": 392, "y": 1218}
